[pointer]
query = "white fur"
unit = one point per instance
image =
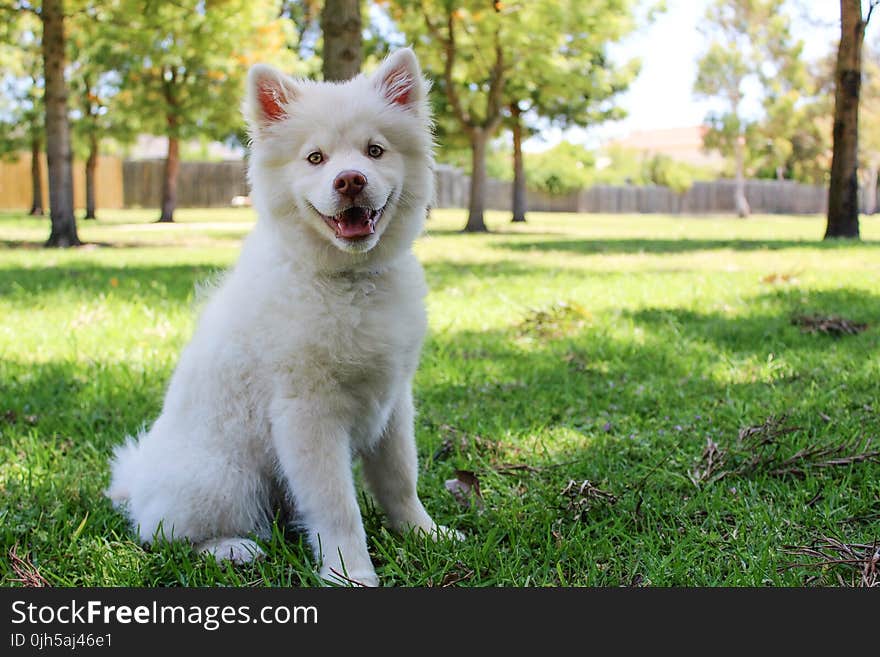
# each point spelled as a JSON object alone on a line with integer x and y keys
{"x": 305, "y": 354}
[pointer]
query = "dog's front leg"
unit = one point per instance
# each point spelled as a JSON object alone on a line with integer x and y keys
{"x": 391, "y": 471}
{"x": 315, "y": 455}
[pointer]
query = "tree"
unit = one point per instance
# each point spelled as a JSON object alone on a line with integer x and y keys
{"x": 186, "y": 65}
{"x": 843, "y": 192}
{"x": 91, "y": 108}
{"x": 304, "y": 17}
{"x": 563, "y": 76}
{"x": 58, "y": 145}
{"x": 518, "y": 202}
{"x": 95, "y": 55}
{"x": 749, "y": 40}
{"x": 869, "y": 128}
{"x": 787, "y": 136}
{"x": 341, "y": 26}
{"x": 564, "y": 168}
{"x": 473, "y": 49}
{"x": 21, "y": 97}
{"x": 467, "y": 55}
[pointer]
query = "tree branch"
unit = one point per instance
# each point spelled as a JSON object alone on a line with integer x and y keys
{"x": 873, "y": 4}
{"x": 449, "y": 61}
{"x": 496, "y": 87}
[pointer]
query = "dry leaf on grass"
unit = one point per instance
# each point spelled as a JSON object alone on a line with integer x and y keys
{"x": 465, "y": 488}
{"x": 780, "y": 278}
{"x": 454, "y": 577}
{"x": 828, "y": 324}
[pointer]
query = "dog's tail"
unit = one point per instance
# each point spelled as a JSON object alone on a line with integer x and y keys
{"x": 123, "y": 466}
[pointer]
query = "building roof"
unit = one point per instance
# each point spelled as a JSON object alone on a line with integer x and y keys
{"x": 683, "y": 144}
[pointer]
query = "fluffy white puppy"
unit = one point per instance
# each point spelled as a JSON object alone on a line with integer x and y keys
{"x": 304, "y": 356}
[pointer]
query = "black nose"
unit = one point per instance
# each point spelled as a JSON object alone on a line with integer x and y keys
{"x": 350, "y": 183}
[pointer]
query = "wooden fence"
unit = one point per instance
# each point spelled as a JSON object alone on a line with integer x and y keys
{"x": 764, "y": 196}
{"x": 199, "y": 184}
{"x": 138, "y": 183}
{"x": 16, "y": 190}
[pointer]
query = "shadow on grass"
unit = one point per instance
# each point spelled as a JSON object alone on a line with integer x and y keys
{"x": 661, "y": 246}
{"x": 192, "y": 239}
{"x": 149, "y": 283}
{"x": 505, "y": 383}
{"x": 769, "y": 327}
{"x": 447, "y": 232}
{"x": 615, "y": 410}
{"x": 445, "y": 274}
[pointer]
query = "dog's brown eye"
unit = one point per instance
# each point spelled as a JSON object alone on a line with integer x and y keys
{"x": 375, "y": 151}
{"x": 315, "y": 158}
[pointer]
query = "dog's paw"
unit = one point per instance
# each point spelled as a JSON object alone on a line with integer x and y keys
{"x": 236, "y": 550}
{"x": 338, "y": 577}
{"x": 440, "y": 533}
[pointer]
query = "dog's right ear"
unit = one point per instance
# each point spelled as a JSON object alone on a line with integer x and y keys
{"x": 269, "y": 94}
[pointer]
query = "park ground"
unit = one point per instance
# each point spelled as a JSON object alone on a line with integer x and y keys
{"x": 603, "y": 400}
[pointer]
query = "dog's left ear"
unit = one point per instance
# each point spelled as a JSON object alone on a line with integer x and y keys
{"x": 399, "y": 79}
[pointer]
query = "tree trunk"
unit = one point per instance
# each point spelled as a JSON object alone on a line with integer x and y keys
{"x": 519, "y": 173}
{"x": 169, "y": 183}
{"x": 870, "y": 189}
{"x": 58, "y": 150}
{"x": 341, "y": 26}
{"x": 475, "y": 223}
{"x": 843, "y": 193}
{"x": 36, "y": 177}
{"x": 741, "y": 203}
{"x": 91, "y": 169}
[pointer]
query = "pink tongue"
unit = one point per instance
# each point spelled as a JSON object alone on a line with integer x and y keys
{"x": 354, "y": 222}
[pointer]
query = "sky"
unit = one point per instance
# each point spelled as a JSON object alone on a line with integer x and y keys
{"x": 662, "y": 95}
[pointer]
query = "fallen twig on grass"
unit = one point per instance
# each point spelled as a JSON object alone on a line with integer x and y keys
{"x": 348, "y": 579}
{"x": 26, "y": 571}
{"x": 455, "y": 438}
{"x": 713, "y": 457}
{"x": 584, "y": 495}
{"x": 508, "y": 468}
{"x": 809, "y": 455}
{"x": 828, "y": 324}
{"x": 454, "y": 577}
{"x": 759, "y": 449}
{"x": 864, "y": 558}
{"x": 561, "y": 319}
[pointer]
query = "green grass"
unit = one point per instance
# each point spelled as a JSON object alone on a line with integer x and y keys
{"x": 600, "y": 348}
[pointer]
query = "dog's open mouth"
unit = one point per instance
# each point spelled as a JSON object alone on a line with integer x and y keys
{"x": 354, "y": 223}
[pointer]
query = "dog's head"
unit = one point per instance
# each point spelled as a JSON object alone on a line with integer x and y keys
{"x": 348, "y": 164}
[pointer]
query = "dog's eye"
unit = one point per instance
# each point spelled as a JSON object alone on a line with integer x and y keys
{"x": 375, "y": 151}
{"x": 315, "y": 158}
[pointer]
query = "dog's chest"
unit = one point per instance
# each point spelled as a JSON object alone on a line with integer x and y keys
{"x": 354, "y": 343}
{"x": 368, "y": 323}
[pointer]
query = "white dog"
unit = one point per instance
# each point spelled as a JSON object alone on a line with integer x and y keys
{"x": 305, "y": 355}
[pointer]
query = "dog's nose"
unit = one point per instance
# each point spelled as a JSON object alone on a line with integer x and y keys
{"x": 350, "y": 183}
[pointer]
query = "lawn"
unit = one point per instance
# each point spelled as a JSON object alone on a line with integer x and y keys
{"x": 630, "y": 393}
